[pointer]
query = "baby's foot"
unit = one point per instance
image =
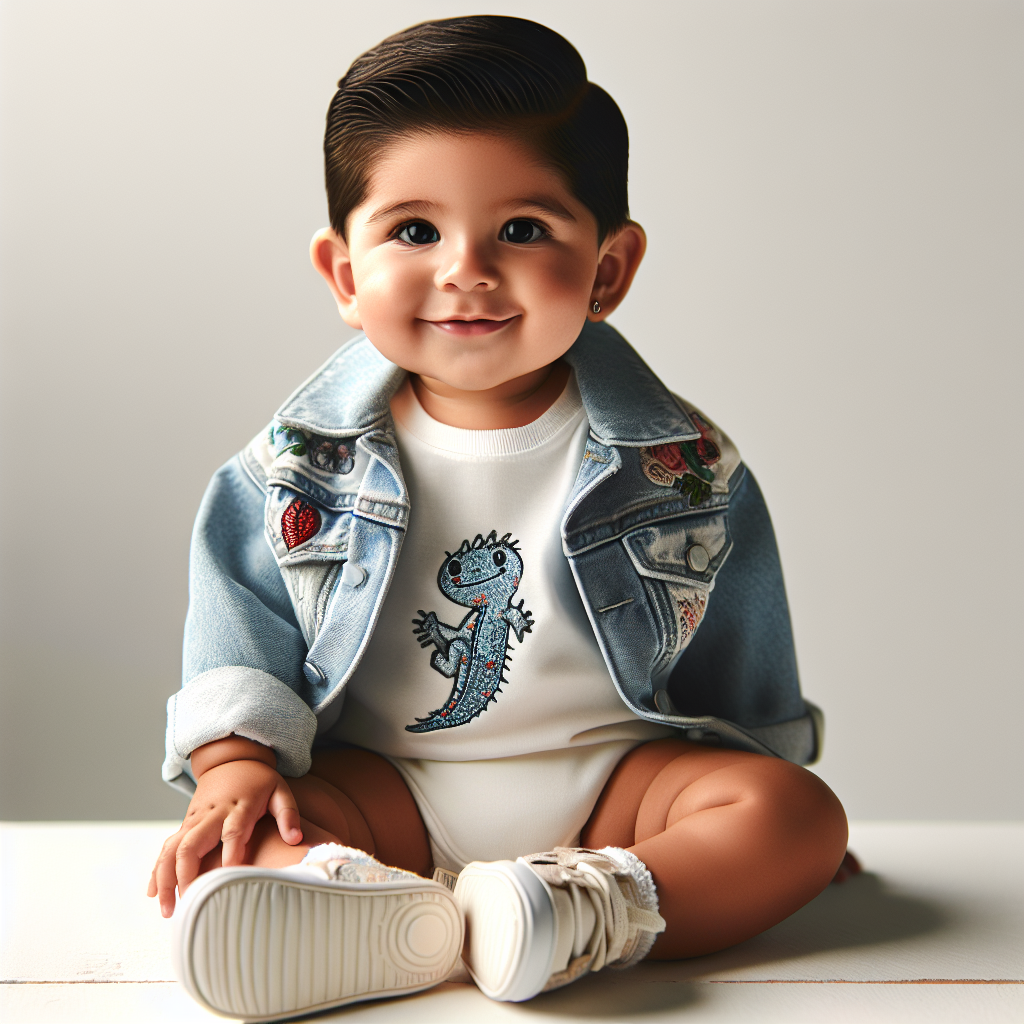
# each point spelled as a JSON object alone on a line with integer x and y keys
{"x": 542, "y": 921}
{"x": 264, "y": 943}
{"x": 849, "y": 868}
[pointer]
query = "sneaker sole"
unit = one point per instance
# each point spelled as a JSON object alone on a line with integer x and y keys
{"x": 510, "y": 929}
{"x": 258, "y": 944}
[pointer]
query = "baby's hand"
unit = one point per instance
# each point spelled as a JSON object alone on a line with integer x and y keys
{"x": 229, "y": 799}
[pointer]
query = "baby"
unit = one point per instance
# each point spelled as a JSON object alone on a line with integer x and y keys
{"x": 455, "y": 678}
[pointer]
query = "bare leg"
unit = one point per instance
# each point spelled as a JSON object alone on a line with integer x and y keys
{"x": 352, "y": 797}
{"x": 379, "y": 795}
{"x": 735, "y": 841}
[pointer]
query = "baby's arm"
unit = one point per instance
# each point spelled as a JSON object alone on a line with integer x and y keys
{"x": 237, "y": 783}
{"x": 243, "y": 675}
{"x": 244, "y": 651}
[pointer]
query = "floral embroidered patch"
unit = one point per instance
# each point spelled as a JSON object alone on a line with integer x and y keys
{"x": 326, "y": 453}
{"x": 691, "y": 611}
{"x": 684, "y": 465}
{"x": 299, "y": 522}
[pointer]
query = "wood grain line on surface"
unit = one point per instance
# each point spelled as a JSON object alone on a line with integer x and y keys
{"x": 87, "y": 981}
{"x": 879, "y": 981}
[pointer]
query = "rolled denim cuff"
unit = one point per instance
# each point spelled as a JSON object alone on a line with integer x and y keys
{"x": 243, "y": 701}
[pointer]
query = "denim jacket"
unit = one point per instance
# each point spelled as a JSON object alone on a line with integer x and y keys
{"x": 298, "y": 536}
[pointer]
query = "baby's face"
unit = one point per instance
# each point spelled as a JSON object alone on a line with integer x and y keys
{"x": 471, "y": 262}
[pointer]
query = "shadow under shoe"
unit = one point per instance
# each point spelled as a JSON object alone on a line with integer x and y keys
{"x": 263, "y": 943}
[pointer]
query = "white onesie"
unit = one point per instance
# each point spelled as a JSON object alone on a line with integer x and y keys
{"x": 504, "y": 756}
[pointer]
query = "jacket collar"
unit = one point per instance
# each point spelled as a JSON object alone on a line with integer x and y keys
{"x": 349, "y": 394}
{"x": 626, "y": 404}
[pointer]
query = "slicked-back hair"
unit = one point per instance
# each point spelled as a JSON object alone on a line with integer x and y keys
{"x": 498, "y": 75}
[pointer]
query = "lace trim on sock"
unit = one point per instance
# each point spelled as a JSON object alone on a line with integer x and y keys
{"x": 347, "y": 864}
{"x": 648, "y": 894}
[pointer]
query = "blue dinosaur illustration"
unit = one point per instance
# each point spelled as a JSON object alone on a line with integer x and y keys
{"x": 481, "y": 576}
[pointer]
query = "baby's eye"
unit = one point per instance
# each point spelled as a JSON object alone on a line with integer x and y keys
{"x": 521, "y": 231}
{"x": 454, "y": 567}
{"x": 418, "y": 233}
{"x": 499, "y": 558}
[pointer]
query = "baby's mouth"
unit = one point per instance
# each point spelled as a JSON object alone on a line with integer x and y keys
{"x": 472, "y": 328}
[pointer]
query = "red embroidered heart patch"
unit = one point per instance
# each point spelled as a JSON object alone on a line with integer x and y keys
{"x": 299, "y": 522}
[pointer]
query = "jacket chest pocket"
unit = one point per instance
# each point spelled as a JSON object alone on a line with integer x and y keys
{"x": 678, "y": 559}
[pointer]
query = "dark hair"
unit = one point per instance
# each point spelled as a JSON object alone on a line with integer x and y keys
{"x": 505, "y": 76}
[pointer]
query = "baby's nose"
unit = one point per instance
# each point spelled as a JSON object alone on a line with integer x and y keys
{"x": 469, "y": 267}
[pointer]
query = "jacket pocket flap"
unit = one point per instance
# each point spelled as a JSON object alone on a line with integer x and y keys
{"x": 687, "y": 548}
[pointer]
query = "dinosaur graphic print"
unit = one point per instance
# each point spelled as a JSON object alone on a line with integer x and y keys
{"x": 482, "y": 577}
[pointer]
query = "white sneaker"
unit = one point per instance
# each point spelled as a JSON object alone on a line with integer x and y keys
{"x": 261, "y": 943}
{"x": 542, "y": 921}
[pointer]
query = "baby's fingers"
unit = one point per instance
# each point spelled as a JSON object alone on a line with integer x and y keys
{"x": 237, "y": 832}
{"x": 164, "y": 877}
{"x": 286, "y": 812}
{"x": 192, "y": 848}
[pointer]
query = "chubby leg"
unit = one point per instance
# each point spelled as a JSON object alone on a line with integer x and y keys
{"x": 375, "y": 795}
{"x": 735, "y": 841}
{"x": 352, "y": 797}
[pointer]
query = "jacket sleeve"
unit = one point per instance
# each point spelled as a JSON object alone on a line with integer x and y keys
{"x": 243, "y": 650}
{"x": 741, "y": 663}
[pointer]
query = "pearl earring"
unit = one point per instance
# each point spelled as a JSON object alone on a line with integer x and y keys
{"x": 596, "y": 307}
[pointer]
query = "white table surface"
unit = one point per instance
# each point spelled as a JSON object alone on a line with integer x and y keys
{"x": 933, "y": 931}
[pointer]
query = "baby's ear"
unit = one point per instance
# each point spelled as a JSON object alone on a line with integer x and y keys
{"x": 619, "y": 261}
{"x": 330, "y": 255}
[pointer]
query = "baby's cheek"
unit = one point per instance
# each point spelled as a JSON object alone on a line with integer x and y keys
{"x": 549, "y": 333}
{"x": 567, "y": 273}
{"x": 387, "y": 295}
{"x": 561, "y": 292}
{"x": 388, "y": 316}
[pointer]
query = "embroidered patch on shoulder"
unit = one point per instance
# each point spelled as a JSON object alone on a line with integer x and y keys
{"x": 299, "y": 522}
{"x": 481, "y": 576}
{"x": 329, "y": 454}
{"x": 684, "y": 465}
{"x": 326, "y": 453}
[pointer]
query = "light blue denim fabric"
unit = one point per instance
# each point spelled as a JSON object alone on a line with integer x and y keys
{"x": 274, "y": 633}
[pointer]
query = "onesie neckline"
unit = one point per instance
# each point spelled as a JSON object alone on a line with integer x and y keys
{"x": 408, "y": 412}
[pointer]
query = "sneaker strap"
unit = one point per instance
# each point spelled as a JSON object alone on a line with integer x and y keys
{"x": 622, "y": 893}
{"x": 646, "y": 924}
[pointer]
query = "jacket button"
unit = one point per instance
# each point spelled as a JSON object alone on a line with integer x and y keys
{"x": 314, "y": 676}
{"x": 697, "y": 557}
{"x": 663, "y": 702}
{"x": 352, "y": 575}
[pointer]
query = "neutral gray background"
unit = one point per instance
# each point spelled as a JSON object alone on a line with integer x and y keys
{"x": 832, "y": 194}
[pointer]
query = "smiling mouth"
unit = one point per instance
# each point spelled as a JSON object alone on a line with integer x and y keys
{"x": 476, "y": 583}
{"x": 472, "y": 328}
